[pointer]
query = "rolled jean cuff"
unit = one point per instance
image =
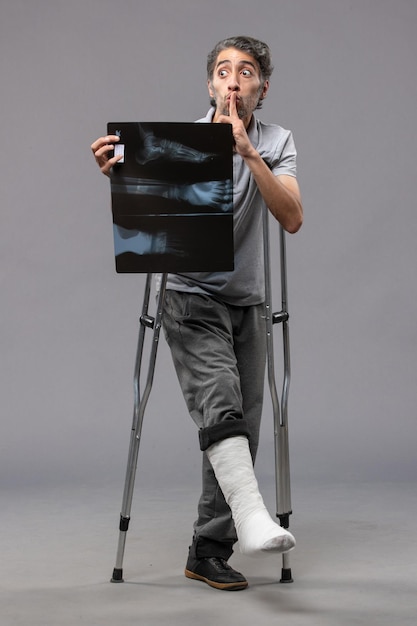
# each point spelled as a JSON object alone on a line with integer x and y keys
{"x": 222, "y": 430}
{"x": 205, "y": 548}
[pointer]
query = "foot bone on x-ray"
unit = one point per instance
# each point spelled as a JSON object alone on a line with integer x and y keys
{"x": 161, "y": 149}
{"x": 215, "y": 194}
{"x": 142, "y": 243}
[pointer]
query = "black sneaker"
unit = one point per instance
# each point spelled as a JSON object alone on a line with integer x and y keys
{"x": 216, "y": 572}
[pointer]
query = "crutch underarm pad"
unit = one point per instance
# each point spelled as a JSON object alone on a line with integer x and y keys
{"x": 222, "y": 430}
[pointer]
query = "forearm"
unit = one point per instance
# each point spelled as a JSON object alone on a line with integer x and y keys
{"x": 283, "y": 200}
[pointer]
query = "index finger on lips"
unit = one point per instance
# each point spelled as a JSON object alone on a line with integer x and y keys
{"x": 232, "y": 104}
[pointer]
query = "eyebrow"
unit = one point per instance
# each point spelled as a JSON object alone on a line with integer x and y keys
{"x": 239, "y": 63}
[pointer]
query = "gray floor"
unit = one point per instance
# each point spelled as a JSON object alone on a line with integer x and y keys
{"x": 355, "y": 560}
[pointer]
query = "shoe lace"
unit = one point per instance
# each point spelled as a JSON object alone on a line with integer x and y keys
{"x": 220, "y": 563}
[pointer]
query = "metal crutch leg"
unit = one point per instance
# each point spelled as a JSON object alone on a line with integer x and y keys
{"x": 280, "y": 414}
{"x": 146, "y": 321}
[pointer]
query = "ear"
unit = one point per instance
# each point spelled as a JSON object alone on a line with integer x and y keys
{"x": 210, "y": 89}
{"x": 265, "y": 89}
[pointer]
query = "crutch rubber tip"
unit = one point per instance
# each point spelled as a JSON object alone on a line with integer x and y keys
{"x": 284, "y": 519}
{"x": 286, "y": 576}
{"x": 117, "y": 576}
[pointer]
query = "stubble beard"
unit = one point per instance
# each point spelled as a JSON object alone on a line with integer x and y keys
{"x": 245, "y": 106}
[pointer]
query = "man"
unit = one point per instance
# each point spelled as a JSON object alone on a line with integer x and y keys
{"x": 214, "y": 322}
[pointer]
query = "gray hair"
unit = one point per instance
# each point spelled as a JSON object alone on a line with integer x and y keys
{"x": 257, "y": 49}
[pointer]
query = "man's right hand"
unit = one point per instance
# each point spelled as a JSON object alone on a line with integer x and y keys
{"x": 101, "y": 148}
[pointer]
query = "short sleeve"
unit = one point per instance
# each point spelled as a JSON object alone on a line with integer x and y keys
{"x": 284, "y": 160}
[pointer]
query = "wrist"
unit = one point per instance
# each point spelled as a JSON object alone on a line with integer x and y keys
{"x": 251, "y": 156}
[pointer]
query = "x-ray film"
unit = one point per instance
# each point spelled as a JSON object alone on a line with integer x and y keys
{"x": 172, "y": 197}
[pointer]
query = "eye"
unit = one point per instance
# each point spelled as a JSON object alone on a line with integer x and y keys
{"x": 247, "y": 72}
{"x": 222, "y": 73}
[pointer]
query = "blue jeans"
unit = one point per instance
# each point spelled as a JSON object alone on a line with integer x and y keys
{"x": 219, "y": 353}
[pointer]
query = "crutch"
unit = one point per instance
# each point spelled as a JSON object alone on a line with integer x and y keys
{"x": 280, "y": 413}
{"x": 282, "y": 476}
{"x": 140, "y": 401}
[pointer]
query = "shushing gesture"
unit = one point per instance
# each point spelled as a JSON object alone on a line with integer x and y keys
{"x": 242, "y": 143}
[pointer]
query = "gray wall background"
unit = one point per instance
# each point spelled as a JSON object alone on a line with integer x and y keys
{"x": 345, "y": 83}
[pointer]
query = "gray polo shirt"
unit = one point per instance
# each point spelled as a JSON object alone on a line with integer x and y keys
{"x": 245, "y": 284}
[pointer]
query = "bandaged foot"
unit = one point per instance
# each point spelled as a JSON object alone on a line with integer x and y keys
{"x": 257, "y": 533}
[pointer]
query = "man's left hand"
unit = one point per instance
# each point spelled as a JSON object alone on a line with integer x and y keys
{"x": 242, "y": 143}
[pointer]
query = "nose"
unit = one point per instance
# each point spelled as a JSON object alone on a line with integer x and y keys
{"x": 234, "y": 84}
